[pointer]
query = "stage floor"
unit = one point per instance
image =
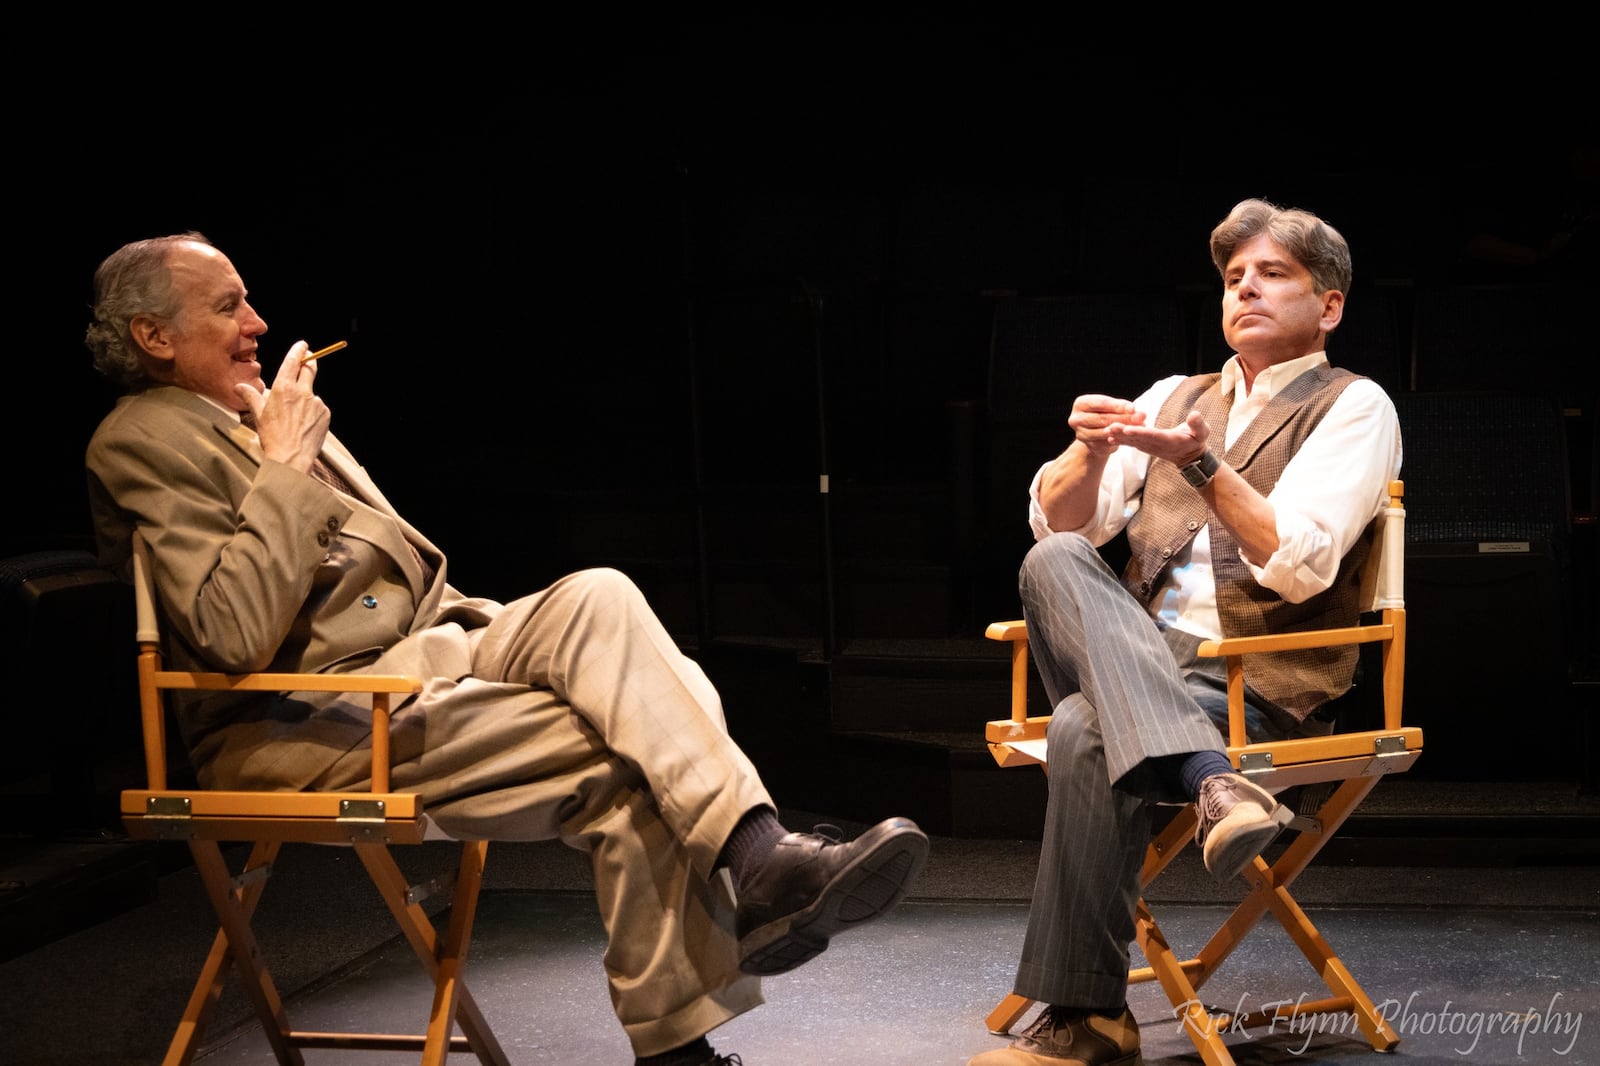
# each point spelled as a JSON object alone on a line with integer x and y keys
{"x": 1460, "y": 958}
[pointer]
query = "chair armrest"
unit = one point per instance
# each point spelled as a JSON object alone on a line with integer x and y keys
{"x": 1013, "y": 630}
{"x": 1390, "y": 633}
{"x": 1017, "y": 633}
{"x": 374, "y": 683}
{"x": 379, "y": 686}
{"x": 1311, "y": 638}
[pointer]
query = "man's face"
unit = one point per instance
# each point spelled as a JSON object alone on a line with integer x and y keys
{"x": 1271, "y": 312}
{"x": 211, "y": 344}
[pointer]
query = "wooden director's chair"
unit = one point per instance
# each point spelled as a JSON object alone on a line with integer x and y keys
{"x": 369, "y": 822}
{"x": 1343, "y": 766}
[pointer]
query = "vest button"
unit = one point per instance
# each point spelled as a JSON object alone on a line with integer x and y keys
{"x": 369, "y": 602}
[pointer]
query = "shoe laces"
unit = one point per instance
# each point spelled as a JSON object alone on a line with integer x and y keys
{"x": 1045, "y": 1022}
{"x": 1219, "y": 794}
{"x": 829, "y": 832}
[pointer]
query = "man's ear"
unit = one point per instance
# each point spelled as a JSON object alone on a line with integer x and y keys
{"x": 152, "y": 336}
{"x": 1332, "y": 310}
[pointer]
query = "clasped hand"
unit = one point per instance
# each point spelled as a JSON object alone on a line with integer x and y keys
{"x": 1104, "y": 423}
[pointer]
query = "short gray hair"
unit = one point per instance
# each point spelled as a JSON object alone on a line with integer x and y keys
{"x": 133, "y": 280}
{"x": 1317, "y": 246}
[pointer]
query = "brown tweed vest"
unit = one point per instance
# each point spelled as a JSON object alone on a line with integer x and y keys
{"x": 1172, "y": 512}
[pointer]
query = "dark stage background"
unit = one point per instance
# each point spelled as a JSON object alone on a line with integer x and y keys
{"x": 620, "y": 292}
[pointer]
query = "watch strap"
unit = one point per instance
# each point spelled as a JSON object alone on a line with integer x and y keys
{"x": 1200, "y": 472}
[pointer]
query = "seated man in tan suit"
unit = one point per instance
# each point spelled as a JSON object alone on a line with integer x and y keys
{"x": 569, "y": 713}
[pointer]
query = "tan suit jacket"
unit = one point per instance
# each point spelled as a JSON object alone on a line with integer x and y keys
{"x": 261, "y": 567}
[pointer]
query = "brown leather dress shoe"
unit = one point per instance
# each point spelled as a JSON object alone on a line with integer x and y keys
{"x": 1071, "y": 1038}
{"x": 814, "y": 886}
{"x": 1238, "y": 818}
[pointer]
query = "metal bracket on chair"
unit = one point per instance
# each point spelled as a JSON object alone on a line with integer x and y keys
{"x": 363, "y": 820}
{"x": 1255, "y": 762}
{"x": 170, "y": 816}
{"x": 1385, "y": 750}
{"x": 251, "y": 876}
{"x": 445, "y": 882}
{"x": 1389, "y": 747}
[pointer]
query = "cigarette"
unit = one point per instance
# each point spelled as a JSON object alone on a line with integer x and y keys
{"x": 320, "y": 352}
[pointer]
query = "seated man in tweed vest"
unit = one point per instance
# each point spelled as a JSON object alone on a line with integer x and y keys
{"x": 1248, "y": 498}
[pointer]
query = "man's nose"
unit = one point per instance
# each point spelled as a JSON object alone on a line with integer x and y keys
{"x": 254, "y": 323}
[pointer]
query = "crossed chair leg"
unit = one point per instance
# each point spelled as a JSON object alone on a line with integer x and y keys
{"x": 234, "y": 899}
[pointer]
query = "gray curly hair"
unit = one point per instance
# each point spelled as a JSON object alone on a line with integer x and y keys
{"x": 1317, "y": 246}
{"x": 133, "y": 280}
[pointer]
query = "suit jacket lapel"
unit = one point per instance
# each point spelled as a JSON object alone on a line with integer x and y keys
{"x": 374, "y": 520}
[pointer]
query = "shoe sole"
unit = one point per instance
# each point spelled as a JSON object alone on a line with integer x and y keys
{"x": 1229, "y": 861}
{"x": 869, "y": 887}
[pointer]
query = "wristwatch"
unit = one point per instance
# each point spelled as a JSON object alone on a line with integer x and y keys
{"x": 1200, "y": 472}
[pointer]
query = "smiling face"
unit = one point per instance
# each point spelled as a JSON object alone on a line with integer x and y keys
{"x": 209, "y": 346}
{"x": 1271, "y": 311}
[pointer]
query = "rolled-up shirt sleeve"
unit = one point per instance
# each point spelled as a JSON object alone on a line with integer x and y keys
{"x": 1333, "y": 487}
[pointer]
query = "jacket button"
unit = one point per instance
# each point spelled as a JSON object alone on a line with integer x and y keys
{"x": 1193, "y": 525}
{"x": 1166, "y": 553}
{"x": 333, "y": 525}
{"x": 369, "y": 602}
{"x": 323, "y": 539}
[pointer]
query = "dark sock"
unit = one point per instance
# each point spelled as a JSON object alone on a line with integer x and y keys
{"x": 751, "y": 841}
{"x": 696, "y": 1053}
{"x": 1057, "y": 1016}
{"x": 1186, "y": 772}
{"x": 1199, "y": 766}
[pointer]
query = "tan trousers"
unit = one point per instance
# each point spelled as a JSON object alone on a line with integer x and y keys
{"x": 584, "y": 722}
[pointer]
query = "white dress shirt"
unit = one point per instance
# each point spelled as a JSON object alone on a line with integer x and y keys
{"x": 1331, "y": 489}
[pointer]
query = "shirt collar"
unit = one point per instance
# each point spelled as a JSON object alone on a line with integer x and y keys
{"x": 1270, "y": 380}
{"x": 230, "y": 411}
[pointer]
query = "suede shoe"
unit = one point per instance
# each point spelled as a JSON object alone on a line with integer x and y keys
{"x": 1237, "y": 819}
{"x": 1059, "y": 1037}
{"x": 814, "y": 886}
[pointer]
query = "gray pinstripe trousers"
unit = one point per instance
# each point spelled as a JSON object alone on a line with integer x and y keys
{"x": 1120, "y": 698}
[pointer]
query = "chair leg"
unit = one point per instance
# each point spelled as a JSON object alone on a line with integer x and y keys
{"x": 1269, "y": 891}
{"x": 1005, "y": 1015}
{"x": 1202, "y": 1028}
{"x": 1167, "y": 844}
{"x": 444, "y": 959}
{"x": 234, "y": 901}
{"x": 1265, "y": 882}
{"x": 1349, "y": 996}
